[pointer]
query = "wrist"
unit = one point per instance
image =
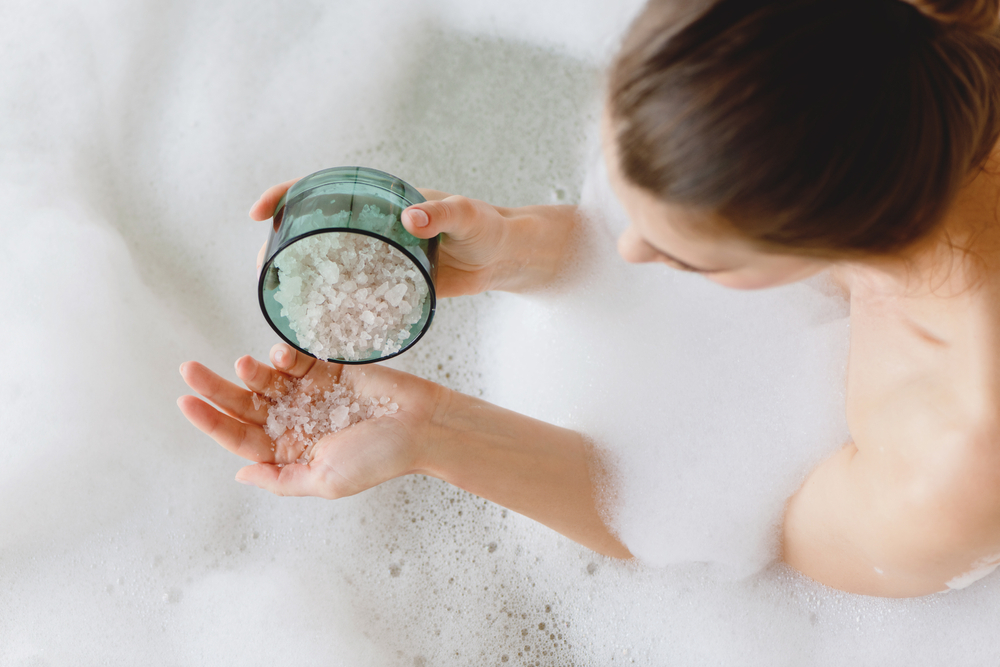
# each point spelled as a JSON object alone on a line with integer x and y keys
{"x": 537, "y": 242}
{"x": 439, "y": 434}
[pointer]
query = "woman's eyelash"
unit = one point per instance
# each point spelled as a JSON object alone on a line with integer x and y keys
{"x": 680, "y": 266}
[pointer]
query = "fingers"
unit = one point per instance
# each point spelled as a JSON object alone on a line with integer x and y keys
{"x": 289, "y": 360}
{"x": 260, "y": 257}
{"x": 234, "y": 400}
{"x": 456, "y": 216}
{"x": 264, "y": 207}
{"x": 293, "y": 479}
{"x": 258, "y": 377}
{"x": 246, "y": 440}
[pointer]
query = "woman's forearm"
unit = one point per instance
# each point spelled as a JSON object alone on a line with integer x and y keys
{"x": 537, "y": 248}
{"x": 549, "y": 474}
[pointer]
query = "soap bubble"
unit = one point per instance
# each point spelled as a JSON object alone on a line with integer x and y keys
{"x": 135, "y": 136}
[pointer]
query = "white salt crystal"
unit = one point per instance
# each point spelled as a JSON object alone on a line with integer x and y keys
{"x": 302, "y": 414}
{"x": 340, "y": 417}
{"x": 346, "y": 295}
{"x": 330, "y": 272}
{"x": 395, "y": 295}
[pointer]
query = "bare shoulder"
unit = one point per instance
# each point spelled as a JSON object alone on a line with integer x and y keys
{"x": 912, "y": 504}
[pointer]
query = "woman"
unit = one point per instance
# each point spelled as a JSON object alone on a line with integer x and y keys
{"x": 757, "y": 143}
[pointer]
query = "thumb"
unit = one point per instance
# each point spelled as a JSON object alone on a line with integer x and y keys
{"x": 456, "y": 216}
{"x": 264, "y": 207}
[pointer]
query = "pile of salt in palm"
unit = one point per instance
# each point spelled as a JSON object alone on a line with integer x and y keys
{"x": 348, "y": 295}
{"x": 301, "y": 413}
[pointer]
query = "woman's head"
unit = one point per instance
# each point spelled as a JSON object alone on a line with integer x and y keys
{"x": 799, "y": 129}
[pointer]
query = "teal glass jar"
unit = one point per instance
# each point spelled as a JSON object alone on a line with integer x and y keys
{"x": 353, "y": 211}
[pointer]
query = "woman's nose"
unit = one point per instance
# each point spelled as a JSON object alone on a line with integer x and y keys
{"x": 634, "y": 249}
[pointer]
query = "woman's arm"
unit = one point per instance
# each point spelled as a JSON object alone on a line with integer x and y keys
{"x": 486, "y": 247}
{"x": 483, "y": 247}
{"x": 899, "y": 521}
{"x": 550, "y": 474}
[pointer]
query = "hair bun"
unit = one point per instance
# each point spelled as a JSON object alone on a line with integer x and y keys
{"x": 977, "y": 15}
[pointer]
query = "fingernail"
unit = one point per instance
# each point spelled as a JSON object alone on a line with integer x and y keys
{"x": 281, "y": 357}
{"x": 418, "y": 218}
{"x": 243, "y": 481}
{"x": 181, "y": 369}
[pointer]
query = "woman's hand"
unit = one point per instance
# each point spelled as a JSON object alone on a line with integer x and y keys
{"x": 264, "y": 207}
{"x": 343, "y": 463}
{"x": 475, "y": 245}
{"x": 545, "y": 472}
{"x": 483, "y": 247}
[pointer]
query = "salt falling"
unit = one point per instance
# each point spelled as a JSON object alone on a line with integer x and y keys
{"x": 302, "y": 413}
{"x": 348, "y": 295}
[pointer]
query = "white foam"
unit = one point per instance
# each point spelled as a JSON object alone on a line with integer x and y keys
{"x": 136, "y": 136}
{"x": 980, "y": 569}
{"x": 749, "y": 415}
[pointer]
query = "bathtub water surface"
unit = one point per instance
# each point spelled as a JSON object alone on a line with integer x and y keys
{"x": 135, "y": 137}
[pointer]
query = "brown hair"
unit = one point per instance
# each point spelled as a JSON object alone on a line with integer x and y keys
{"x": 837, "y": 127}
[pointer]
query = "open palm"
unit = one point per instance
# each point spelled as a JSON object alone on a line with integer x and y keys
{"x": 342, "y": 463}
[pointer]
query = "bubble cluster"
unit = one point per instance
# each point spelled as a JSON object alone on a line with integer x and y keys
{"x": 137, "y": 135}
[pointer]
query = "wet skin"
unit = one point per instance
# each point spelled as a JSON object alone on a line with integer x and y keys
{"x": 911, "y": 503}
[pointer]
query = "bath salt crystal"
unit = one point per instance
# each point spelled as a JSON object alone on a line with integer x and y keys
{"x": 304, "y": 413}
{"x": 395, "y": 295}
{"x": 348, "y": 295}
{"x": 340, "y": 416}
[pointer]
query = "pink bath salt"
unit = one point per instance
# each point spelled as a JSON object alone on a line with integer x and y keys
{"x": 305, "y": 413}
{"x": 350, "y": 296}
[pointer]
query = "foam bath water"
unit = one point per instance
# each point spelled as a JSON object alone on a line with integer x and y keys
{"x": 126, "y": 540}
